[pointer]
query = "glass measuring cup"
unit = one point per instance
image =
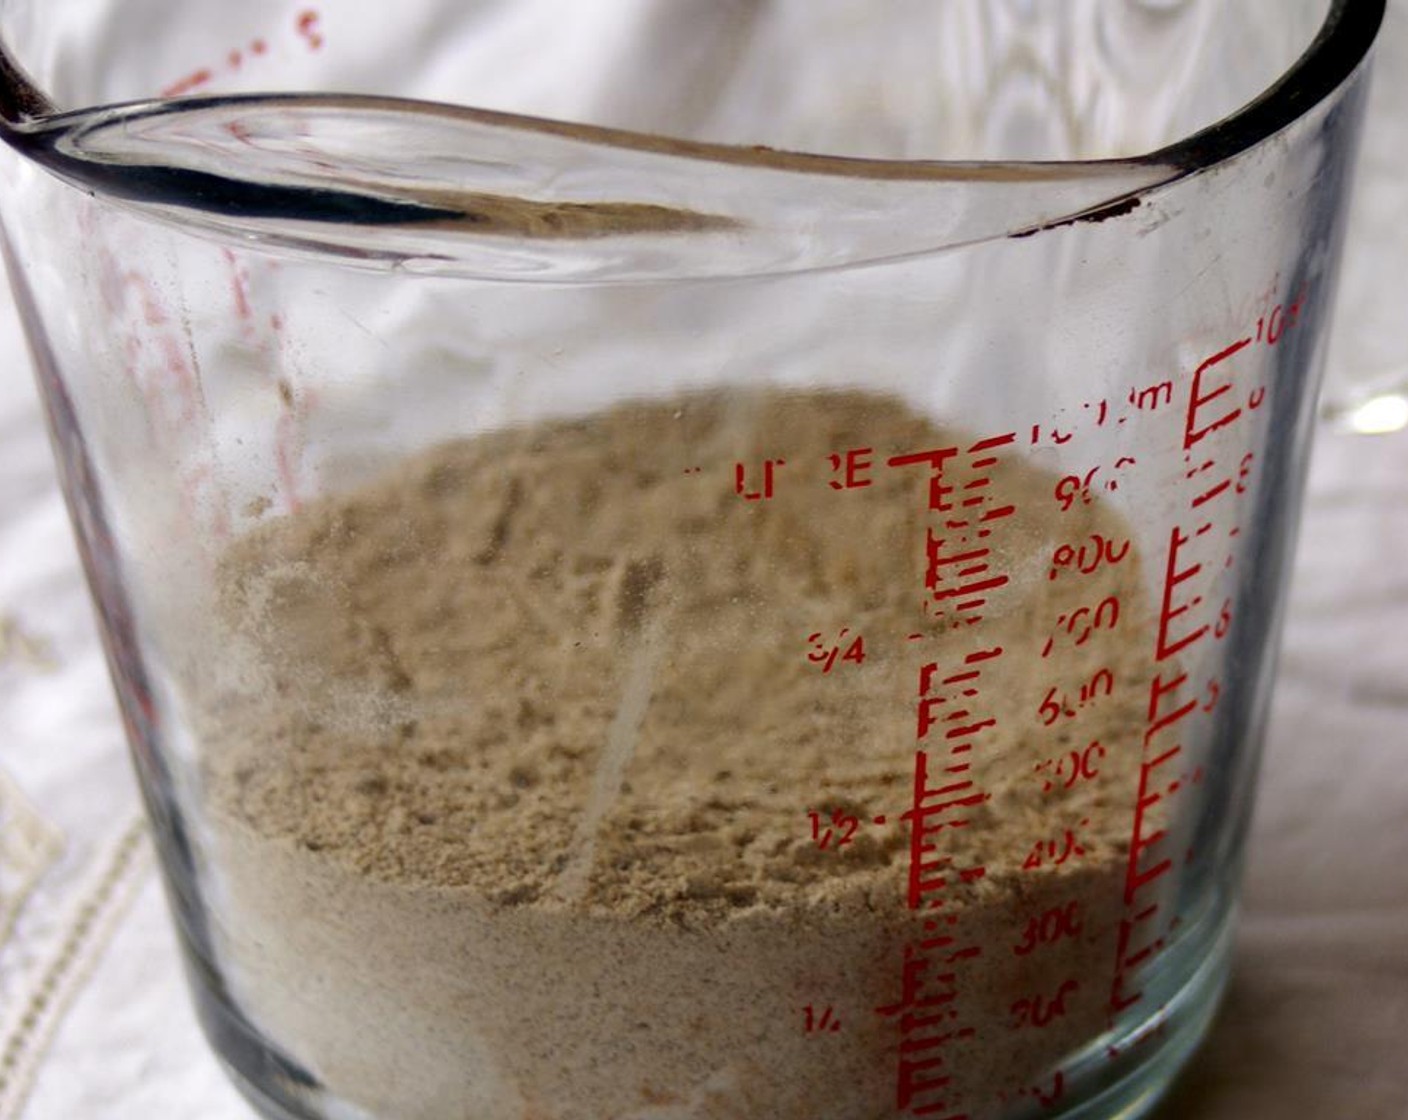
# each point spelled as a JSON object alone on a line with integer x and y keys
{"x": 619, "y": 626}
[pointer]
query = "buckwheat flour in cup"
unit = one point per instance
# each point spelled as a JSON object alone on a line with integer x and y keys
{"x": 544, "y": 787}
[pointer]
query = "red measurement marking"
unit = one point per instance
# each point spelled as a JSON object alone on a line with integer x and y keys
{"x": 916, "y": 992}
{"x": 1057, "y": 704}
{"x": 1169, "y": 612}
{"x": 1056, "y": 436}
{"x": 939, "y": 490}
{"x": 1215, "y": 491}
{"x": 1083, "y": 623}
{"x": 926, "y": 1012}
{"x": 1087, "y": 557}
{"x": 1152, "y": 397}
{"x": 193, "y": 80}
{"x": 959, "y": 577}
{"x": 1139, "y": 938}
{"x": 929, "y": 987}
{"x": 1040, "y": 1011}
{"x": 1269, "y": 328}
{"x": 840, "y": 832}
{"x": 1244, "y": 471}
{"x": 825, "y": 1022}
{"x": 854, "y": 468}
{"x": 1054, "y": 852}
{"x": 1070, "y": 769}
{"x": 926, "y": 822}
{"x": 957, "y": 574}
{"x": 1048, "y": 1098}
{"x": 740, "y": 480}
{"x": 826, "y": 654}
{"x": 1195, "y": 428}
{"x": 1160, "y": 718}
{"x": 969, "y": 585}
{"x": 1073, "y": 487}
{"x": 308, "y": 28}
{"x": 1134, "y": 959}
{"x": 1049, "y": 927}
{"x": 305, "y": 26}
{"x": 1050, "y": 709}
{"x": 917, "y": 1080}
{"x": 238, "y": 287}
{"x": 968, "y": 730}
{"x": 1082, "y": 488}
{"x": 933, "y": 695}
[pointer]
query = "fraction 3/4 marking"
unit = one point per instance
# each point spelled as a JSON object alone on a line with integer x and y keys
{"x": 826, "y": 653}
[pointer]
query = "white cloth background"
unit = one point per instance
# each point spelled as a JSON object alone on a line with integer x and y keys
{"x": 94, "y": 1019}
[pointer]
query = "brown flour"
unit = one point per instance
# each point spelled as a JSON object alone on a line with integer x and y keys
{"x": 512, "y": 803}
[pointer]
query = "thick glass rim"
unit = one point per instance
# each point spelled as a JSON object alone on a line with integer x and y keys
{"x": 764, "y": 212}
{"x": 1343, "y": 41}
